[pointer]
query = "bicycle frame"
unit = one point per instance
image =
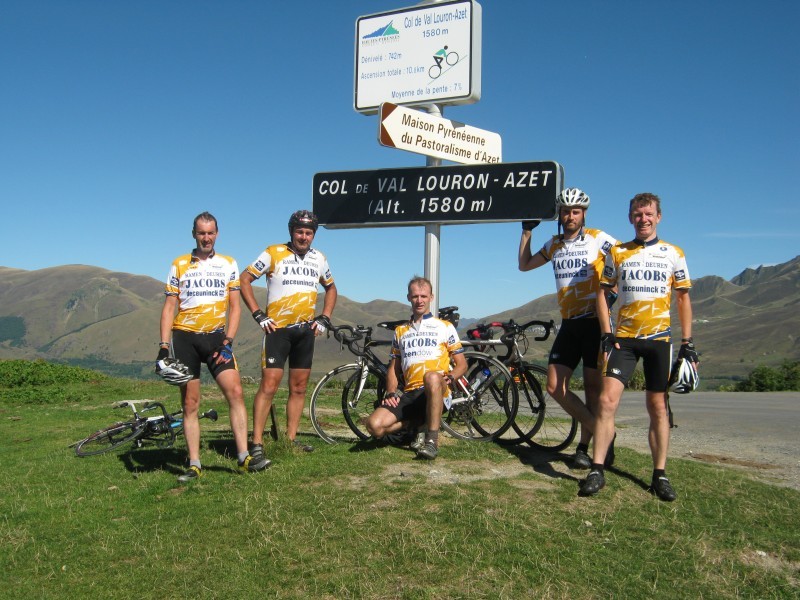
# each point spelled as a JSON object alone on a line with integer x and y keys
{"x": 163, "y": 428}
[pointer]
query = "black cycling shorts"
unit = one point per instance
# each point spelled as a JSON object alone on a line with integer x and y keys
{"x": 193, "y": 349}
{"x": 410, "y": 407}
{"x": 656, "y": 358}
{"x": 577, "y": 339}
{"x": 295, "y": 343}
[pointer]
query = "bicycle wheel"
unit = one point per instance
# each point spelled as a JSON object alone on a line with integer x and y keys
{"x": 340, "y": 402}
{"x": 530, "y": 414}
{"x": 558, "y": 428}
{"x": 488, "y": 410}
{"x": 111, "y": 437}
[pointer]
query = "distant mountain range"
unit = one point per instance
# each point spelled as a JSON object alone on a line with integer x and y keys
{"x": 109, "y": 320}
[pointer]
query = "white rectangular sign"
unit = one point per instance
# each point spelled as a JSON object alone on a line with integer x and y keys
{"x": 419, "y": 55}
{"x": 416, "y": 131}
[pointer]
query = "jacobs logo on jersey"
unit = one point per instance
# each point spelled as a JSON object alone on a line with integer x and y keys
{"x": 642, "y": 275}
{"x": 203, "y": 282}
{"x": 570, "y": 263}
{"x": 303, "y": 271}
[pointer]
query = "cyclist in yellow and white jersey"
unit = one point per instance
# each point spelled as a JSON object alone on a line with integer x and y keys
{"x": 203, "y": 288}
{"x": 294, "y": 270}
{"x": 420, "y": 357}
{"x": 645, "y": 270}
{"x": 576, "y": 255}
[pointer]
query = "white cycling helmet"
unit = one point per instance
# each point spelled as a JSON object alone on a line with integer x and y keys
{"x": 684, "y": 377}
{"x": 572, "y": 198}
{"x": 173, "y": 371}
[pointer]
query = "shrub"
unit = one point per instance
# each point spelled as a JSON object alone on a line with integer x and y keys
{"x": 22, "y": 373}
{"x": 636, "y": 382}
{"x": 766, "y": 379}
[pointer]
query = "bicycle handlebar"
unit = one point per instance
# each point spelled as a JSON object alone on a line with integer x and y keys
{"x": 350, "y": 336}
{"x": 511, "y": 329}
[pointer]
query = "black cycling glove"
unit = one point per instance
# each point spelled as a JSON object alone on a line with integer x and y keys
{"x": 529, "y": 225}
{"x": 225, "y": 351}
{"x": 607, "y": 342}
{"x": 688, "y": 351}
{"x": 323, "y": 323}
{"x": 263, "y": 320}
{"x": 162, "y": 353}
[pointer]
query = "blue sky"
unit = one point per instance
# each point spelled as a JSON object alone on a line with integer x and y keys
{"x": 123, "y": 120}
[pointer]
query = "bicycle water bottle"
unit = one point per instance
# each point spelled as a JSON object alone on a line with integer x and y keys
{"x": 482, "y": 376}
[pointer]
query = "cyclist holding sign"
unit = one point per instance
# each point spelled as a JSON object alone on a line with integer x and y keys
{"x": 576, "y": 256}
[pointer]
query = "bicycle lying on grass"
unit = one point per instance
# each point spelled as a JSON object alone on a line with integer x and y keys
{"x": 482, "y": 406}
{"x": 162, "y": 429}
{"x": 540, "y": 421}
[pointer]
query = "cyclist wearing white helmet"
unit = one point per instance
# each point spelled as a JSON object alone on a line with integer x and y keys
{"x": 293, "y": 270}
{"x": 576, "y": 256}
{"x": 202, "y": 298}
{"x": 646, "y": 271}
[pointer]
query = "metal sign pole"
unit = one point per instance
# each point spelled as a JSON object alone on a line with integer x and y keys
{"x": 432, "y": 232}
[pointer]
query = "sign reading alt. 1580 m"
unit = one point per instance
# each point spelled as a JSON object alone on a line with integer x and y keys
{"x": 419, "y": 195}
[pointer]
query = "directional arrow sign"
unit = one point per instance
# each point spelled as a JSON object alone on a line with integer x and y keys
{"x": 456, "y": 194}
{"x": 416, "y": 131}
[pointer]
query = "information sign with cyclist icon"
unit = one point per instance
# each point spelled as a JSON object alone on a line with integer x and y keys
{"x": 419, "y": 55}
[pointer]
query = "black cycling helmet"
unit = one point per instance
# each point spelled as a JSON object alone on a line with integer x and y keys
{"x": 303, "y": 218}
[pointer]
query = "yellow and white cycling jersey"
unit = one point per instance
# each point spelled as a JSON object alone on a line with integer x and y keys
{"x": 202, "y": 288}
{"x": 424, "y": 347}
{"x": 291, "y": 282}
{"x": 645, "y": 275}
{"x": 576, "y": 265}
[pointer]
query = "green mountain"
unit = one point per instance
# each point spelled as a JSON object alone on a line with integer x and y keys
{"x": 109, "y": 320}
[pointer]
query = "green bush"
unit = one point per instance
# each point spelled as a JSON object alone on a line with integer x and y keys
{"x": 766, "y": 379}
{"x": 636, "y": 382}
{"x": 23, "y": 373}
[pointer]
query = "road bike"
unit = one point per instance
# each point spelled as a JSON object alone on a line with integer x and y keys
{"x": 541, "y": 422}
{"x": 161, "y": 429}
{"x": 482, "y": 405}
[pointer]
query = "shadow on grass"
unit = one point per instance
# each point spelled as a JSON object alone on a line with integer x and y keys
{"x": 147, "y": 460}
{"x": 151, "y": 458}
{"x": 541, "y": 462}
{"x": 630, "y": 477}
{"x": 368, "y": 445}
